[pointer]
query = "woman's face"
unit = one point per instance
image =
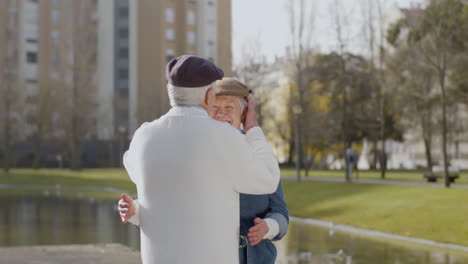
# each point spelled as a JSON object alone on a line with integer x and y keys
{"x": 227, "y": 109}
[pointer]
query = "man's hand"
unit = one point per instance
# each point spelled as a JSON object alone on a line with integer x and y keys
{"x": 258, "y": 231}
{"x": 126, "y": 208}
{"x": 251, "y": 116}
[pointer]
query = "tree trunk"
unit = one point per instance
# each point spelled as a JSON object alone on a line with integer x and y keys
{"x": 444, "y": 137}
{"x": 427, "y": 137}
{"x": 373, "y": 164}
{"x": 7, "y": 114}
{"x": 383, "y": 156}
{"x": 110, "y": 146}
{"x": 345, "y": 140}
{"x": 291, "y": 151}
{"x": 7, "y": 139}
{"x": 75, "y": 153}
{"x": 75, "y": 119}
{"x": 444, "y": 126}
{"x": 37, "y": 152}
{"x": 427, "y": 146}
{"x": 6, "y": 148}
{"x": 298, "y": 159}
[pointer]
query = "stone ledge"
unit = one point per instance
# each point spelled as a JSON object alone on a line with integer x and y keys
{"x": 70, "y": 254}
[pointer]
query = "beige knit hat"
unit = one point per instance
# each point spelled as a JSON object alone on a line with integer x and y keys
{"x": 231, "y": 86}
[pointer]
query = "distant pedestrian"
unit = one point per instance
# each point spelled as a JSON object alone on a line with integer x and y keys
{"x": 351, "y": 159}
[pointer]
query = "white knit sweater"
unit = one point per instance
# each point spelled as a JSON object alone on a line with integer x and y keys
{"x": 189, "y": 171}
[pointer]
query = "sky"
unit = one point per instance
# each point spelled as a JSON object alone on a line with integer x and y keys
{"x": 264, "y": 24}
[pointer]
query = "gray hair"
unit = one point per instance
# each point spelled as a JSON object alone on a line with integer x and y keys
{"x": 186, "y": 96}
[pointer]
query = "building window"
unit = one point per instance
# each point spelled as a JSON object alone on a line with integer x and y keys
{"x": 54, "y": 57}
{"x": 211, "y": 3}
{"x": 31, "y": 76}
{"x": 31, "y": 57}
{"x": 71, "y": 58}
{"x": 123, "y": 52}
{"x": 93, "y": 58}
{"x": 191, "y": 37}
{"x": 123, "y": 86}
{"x": 123, "y": 33}
{"x": 31, "y": 36}
{"x": 170, "y": 15}
{"x": 31, "y": 16}
{"x": 191, "y": 18}
{"x": 54, "y": 35}
{"x": 10, "y": 34}
{"x": 31, "y": 99}
{"x": 170, "y": 54}
{"x": 69, "y": 77}
{"x": 94, "y": 17}
{"x": 123, "y": 12}
{"x": 170, "y": 34}
{"x": 123, "y": 74}
{"x": 54, "y": 75}
{"x": 54, "y": 17}
{"x": 11, "y": 14}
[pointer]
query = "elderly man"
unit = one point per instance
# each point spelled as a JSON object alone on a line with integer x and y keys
{"x": 263, "y": 218}
{"x": 189, "y": 176}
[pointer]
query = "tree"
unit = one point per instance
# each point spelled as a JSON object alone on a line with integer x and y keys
{"x": 340, "y": 22}
{"x": 437, "y": 39}
{"x": 8, "y": 81}
{"x": 375, "y": 37}
{"x": 81, "y": 108}
{"x": 459, "y": 77}
{"x": 251, "y": 70}
{"x": 416, "y": 81}
{"x": 350, "y": 93}
{"x": 301, "y": 24}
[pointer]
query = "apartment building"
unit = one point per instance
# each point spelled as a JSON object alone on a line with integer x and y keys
{"x": 163, "y": 29}
{"x": 95, "y": 68}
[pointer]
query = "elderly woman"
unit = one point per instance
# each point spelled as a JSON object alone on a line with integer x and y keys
{"x": 263, "y": 218}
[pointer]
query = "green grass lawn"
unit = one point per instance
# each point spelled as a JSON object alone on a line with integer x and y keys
{"x": 395, "y": 175}
{"x": 434, "y": 213}
{"x": 116, "y": 178}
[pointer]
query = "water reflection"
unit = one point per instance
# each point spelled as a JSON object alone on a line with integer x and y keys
{"x": 51, "y": 220}
{"x": 313, "y": 245}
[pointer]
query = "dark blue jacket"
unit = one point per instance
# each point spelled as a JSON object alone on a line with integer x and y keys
{"x": 263, "y": 206}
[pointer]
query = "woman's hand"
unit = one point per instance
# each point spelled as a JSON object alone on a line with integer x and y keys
{"x": 257, "y": 232}
{"x": 126, "y": 208}
{"x": 250, "y": 116}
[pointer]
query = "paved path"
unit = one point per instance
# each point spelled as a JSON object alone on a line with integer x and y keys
{"x": 369, "y": 181}
{"x": 70, "y": 254}
{"x": 309, "y": 178}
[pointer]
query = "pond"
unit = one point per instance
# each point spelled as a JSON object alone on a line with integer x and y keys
{"x": 52, "y": 220}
